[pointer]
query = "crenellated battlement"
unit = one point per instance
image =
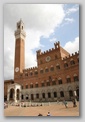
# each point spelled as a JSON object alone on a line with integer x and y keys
{"x": 30, "y": 69}
{"x": 56, "y": 46}
{"x": 71, "y": 55}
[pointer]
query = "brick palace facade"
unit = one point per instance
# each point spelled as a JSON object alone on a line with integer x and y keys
{"x": 56, "y": 75}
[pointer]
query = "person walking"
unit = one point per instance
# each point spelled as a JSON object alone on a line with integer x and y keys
{"x": 74, "y": 103}
{"x": 65, "y": 103}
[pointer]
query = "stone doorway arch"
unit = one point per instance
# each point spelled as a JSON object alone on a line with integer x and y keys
{"x": 11, "y": 96}
{"x": 14, "y": 93}
{"x": 17, "y": 94}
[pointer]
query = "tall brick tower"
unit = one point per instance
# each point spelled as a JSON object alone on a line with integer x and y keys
{"x": 19, "y": 63}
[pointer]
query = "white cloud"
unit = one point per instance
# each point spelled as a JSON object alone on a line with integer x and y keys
{"x": 72, "y": 10}
{"x": 69, "y": 20}
{"x": 30, "y": 59}
{"x": 53, "y": 40}
{"x": 8, "y": 53}
{"x": 40, "y": 21}
{"x": 41, "y": 17}
{"x": 72, "y": 46}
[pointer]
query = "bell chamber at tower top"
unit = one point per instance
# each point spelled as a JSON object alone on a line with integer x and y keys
{"x": 20, "y": 32}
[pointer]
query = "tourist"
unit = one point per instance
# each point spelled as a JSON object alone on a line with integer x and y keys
{"x": 48, "y": 114}
{"x": 65, "y": 103}
{"x": 74, "y": 103}
{"x": 40, "y": 114}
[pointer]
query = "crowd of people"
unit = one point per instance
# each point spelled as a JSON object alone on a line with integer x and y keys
{"x": 73, "y": 101}
{"x": 66, "y": 106}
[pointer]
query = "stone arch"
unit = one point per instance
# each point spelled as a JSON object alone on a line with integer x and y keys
{"x": 70, "y": 92}
{"x": 61, "y": 89}
{"x": 11, "y": 92}
{"x": 37, "y": 91}
{"x": 69, "y": 88}
{"x": 14, "y": 92}
{"x": 27, "y": 96}
{"x": 48, "y": 90}
{"x": 54, "y": 89}
{"x": 22, "y": 96}
{"x": 43, "y": 91}
{"x": 17, "y": 94}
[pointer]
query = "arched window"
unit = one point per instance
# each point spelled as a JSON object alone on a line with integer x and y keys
{"x": 57, "y": 66}
{"x": 52, "y": 68}
{"x": 31, "y": 85}
{"x": 26, "y": 74}
{"x": 46, "y": 69}
{"x": 53, "y": 82}
{"x": 72, "y": 62}
{"x": 26, "y": 86}
{"x": 36, "y": 85}
{"x": 41, "y": 71}
{"x": 59, "y": 81}
{"x": 36, "y": 72}
{"x": 65, "y": 64}
{"x": 49, "y": 95}
{"x": 17, "y": 91}
{"x": 37, "y": 95}
{"x": 70, "y": 93}
{"x": 11, "y": 93}
{"x": 27, "y": 96}
{"x": 31, "y": 73}
{"x": 22, "y": 97}
{"x": 68, "y": 79}
{"x": 61, "y": 93}
{"x": 55, "y": 94}
{"x": 48, "y": 83}
{"x": 43, "y": 95}
{"x": 42, "y": 84}
{"x": 76, "y": 78}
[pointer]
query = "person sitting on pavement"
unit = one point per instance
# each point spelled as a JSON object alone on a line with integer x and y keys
{"x": 48, "y": 114}
{"x": 40, "y": 114}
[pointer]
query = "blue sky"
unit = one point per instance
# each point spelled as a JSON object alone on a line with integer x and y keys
{"x": 45, "y": 24}
{"x": 67, "y": 31}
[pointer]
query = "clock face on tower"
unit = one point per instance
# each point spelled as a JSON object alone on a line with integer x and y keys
{"x": 16, "y": 69}
{"x": 48, "y": 58}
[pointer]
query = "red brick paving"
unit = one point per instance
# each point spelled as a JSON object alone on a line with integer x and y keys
{"x": 55, "y": 110}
